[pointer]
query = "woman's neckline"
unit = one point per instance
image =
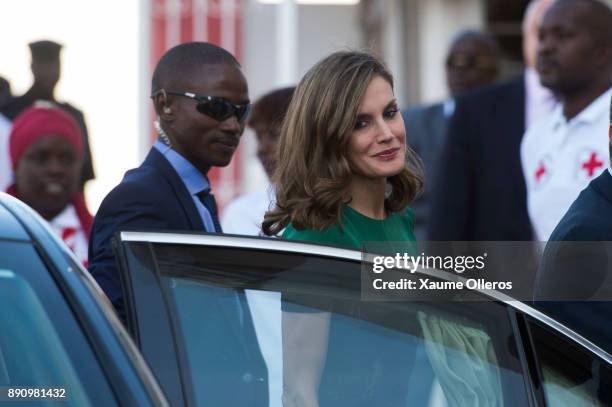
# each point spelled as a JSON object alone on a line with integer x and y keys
{"x": 365, "y": 216}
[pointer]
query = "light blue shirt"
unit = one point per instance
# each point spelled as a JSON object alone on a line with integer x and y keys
{"x": 195, "y": 182}
{"x": 192, "y": 178}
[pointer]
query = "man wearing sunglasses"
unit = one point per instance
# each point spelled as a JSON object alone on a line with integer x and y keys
{"x": 201, "y": 100}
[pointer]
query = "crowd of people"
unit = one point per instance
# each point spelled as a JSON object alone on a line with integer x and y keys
{"x": 494, "y": 162}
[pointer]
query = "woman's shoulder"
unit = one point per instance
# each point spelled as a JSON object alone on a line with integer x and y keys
{"x": 401, "y": 225}
{"x": 408, "y": 216}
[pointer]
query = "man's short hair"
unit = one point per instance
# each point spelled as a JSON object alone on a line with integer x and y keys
{"x": 271, "y": 108}
{"x": 600, "y": 18}
{"x": 490, "y": 43}
{"x": 184, "y": 59}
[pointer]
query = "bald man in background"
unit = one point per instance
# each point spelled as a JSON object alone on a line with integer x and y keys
{"x": 479, "y": 192}
{"x": 472, "y": 62}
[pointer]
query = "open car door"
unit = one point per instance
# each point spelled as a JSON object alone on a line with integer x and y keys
{"x": 227, "y": 321}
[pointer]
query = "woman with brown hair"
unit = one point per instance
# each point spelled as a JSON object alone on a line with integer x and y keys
{"x": 344, "y": 177}
{"x": 342, "y": 158}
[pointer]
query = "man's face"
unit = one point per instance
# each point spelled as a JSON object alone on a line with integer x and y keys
{"x": 568, "y": 57}
{"x": 469, "y": 65}
{"x": 267, "y": 145}
{"x": 202, "y": 140}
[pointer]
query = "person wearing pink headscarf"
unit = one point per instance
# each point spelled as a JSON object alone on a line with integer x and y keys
{"x": 46, "y": 150}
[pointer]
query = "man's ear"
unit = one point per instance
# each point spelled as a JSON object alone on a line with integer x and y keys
{"x": 162, "y": 105}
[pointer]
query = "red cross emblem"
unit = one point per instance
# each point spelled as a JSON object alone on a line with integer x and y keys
{"x": 592, "y": 164}
{"x": 68, "y": 233}
{"x": 540, "y": 171}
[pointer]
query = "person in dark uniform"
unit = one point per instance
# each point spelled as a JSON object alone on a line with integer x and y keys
{"x": 5, "y": 91}
{"x": 46, "y": 69}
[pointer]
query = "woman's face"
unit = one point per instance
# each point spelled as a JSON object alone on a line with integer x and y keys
{"x": 267, "y": 145}
{"x": 377, "y": 145}
{"x": 47, "y": 175}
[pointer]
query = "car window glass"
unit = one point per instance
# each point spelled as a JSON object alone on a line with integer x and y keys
{"x": 28, "y": 361}
{"x": 227, "y": 303}
{"x": 571, "y": 376}
{"x": 41, "y": 345}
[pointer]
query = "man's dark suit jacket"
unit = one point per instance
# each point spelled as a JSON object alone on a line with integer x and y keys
{"x": 15, "y": 106}
{"x": 153, "y": 197}
{"x": 479, "y": 193}
{"x": 576, "y": 265}
{"x": 425, "y": 133}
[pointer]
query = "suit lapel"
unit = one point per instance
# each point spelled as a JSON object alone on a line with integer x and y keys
{"x": 513, "y": 109}
{"x": 228, "y": 303}
{"x": 438, "y": 123}
{"x": 159, "y": 162}
{"x": 603, "y": 185}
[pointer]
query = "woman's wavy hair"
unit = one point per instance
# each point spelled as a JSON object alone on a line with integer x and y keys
{"x": 313, "y": 175}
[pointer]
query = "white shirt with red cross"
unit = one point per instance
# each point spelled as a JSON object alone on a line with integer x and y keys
{"x": 68, "y": 227}
{"x": 560, "y": 158}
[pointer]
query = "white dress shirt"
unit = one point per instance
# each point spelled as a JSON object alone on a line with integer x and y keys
{"x": 243, "y": 216}
{"x": 539, "y": 101}
{"x": 559, "y": 159}
{"x": 68, "y": 227}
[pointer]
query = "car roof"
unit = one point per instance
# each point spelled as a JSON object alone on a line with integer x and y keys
{"x": 10, "y": 227}
{"x": 19, "y": 222}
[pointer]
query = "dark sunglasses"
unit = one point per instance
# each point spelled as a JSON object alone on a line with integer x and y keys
{"x": 216, "y": 107}
{"x": 465, "y": 61}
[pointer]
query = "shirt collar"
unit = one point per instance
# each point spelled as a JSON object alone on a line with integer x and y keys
{"x": 533, "y": 86}
{"x": 589, "y": 114}
{"x": 67, "y": 218}
{"x": 193, "y": 179}
{"x": 448, "y": 107}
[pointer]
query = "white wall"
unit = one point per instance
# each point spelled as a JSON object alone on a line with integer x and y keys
{"x": 321, "y": 29}
{"x": 100, "y": 73}
{"x": 438, "y": 21}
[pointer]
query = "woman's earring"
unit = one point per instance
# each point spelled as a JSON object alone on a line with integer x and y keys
{"x": 388, "y": 190}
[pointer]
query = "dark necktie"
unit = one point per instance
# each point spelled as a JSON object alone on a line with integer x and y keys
{"x": 208, "y": 200}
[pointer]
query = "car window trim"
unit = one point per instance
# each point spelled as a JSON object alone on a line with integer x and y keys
{"x": 527, "y": 357}
{"x": 134, "y": 324}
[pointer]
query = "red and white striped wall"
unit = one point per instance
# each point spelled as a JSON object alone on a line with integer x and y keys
{"x": 217, "y": 21}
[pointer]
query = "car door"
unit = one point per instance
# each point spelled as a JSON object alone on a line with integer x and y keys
{"x": 566, "y": 369}
{"x": 194, "y": 300}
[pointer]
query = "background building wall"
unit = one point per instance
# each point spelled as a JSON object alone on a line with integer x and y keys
{"x": 100, "y": 72}
{"x": 108, "y": 54}
{"x": 438, "y": 22}
{"x": 318, "y": 31}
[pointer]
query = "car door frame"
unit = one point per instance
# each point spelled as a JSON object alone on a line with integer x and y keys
{"x": 518, "y": 312}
